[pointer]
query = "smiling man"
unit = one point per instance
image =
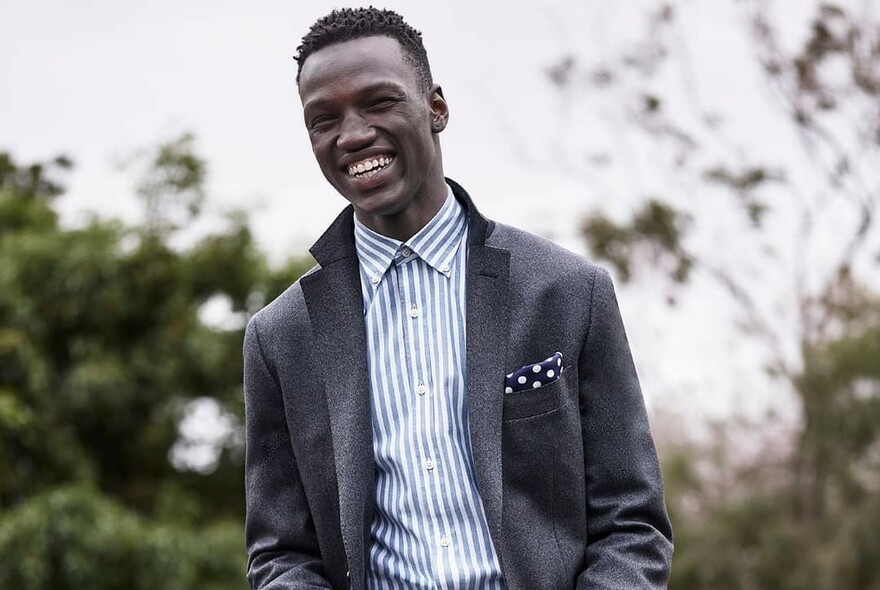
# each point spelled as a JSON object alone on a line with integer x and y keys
{"x": 443, "y": 401}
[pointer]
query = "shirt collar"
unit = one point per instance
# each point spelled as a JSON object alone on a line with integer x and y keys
{"x": 436, "y": 243}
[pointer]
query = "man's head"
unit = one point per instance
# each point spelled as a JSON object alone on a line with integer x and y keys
{"x": 373, "y": 117}
{"x": 346, "y": 24}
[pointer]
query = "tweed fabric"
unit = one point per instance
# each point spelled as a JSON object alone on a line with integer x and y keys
{"x": 567, "y": 473}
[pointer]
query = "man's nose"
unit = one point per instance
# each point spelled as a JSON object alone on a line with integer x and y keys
{"x": 356, "y": 133}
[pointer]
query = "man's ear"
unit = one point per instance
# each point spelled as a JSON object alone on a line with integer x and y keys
{"x": 439, "y": 109}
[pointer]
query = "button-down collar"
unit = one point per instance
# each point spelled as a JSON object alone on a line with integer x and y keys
{"x": 436, "y": 243}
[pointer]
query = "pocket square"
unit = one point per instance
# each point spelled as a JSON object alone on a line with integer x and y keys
{"x": 534, "y": 375}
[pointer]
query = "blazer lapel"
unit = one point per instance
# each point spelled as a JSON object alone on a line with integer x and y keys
{"x": 335, "y": 304}
{"x": 487, "y": 333}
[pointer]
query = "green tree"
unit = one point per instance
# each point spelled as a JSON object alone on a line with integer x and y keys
{"x": 103, "y": 352}
{"x": 782, "y": 223}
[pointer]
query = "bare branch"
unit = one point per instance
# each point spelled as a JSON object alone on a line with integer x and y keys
{"x": 756, "y": 323}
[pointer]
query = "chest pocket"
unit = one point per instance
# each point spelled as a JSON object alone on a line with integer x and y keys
{"x": 541, "y": 400}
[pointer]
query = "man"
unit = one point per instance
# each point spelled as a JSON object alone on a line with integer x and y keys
{"x": 443, "y": 401}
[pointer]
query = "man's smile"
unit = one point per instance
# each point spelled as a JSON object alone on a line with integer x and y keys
{"x": 368, "y": 174}
{"x": 369, "y": 167}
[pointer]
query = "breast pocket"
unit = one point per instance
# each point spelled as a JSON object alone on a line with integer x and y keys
{"x": 540, "y": 400}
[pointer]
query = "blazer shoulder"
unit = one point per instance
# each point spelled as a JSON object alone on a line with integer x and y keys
{"x": 289, "y": 308}
{"x": 536, "y": 256}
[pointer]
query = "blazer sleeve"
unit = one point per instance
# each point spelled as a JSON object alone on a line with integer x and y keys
{"x": 628, "y": 531}
{"x": 280, "y": 535}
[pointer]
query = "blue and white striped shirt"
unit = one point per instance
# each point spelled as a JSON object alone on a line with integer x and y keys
{"x": 429, "y": 529}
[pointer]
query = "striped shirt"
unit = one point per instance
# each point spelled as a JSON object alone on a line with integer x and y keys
{"x": 429, "y": 529}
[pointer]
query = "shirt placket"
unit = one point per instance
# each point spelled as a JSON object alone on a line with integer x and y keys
{"x": 432, "y": 500}
{"x": 408, "y": 452}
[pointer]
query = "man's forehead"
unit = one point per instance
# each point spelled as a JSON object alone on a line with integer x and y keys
{"x": 365, "y": 63}
{"x": 354, "y": 52}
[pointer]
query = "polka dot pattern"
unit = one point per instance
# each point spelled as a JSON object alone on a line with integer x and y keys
{"x": 535, "y": 375}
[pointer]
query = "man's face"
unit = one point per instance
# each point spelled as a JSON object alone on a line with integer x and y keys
{"x": 372, "y": 126}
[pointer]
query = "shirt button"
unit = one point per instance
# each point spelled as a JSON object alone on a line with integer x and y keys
{"x": 406, "y": 252}
{"x": 414, "y": 312}
{"x": 444, "y": 541}
{"x": 421, "y": 389}
{"x": 374, "y": 279}
{"x": 429, "y": 464}
{"x": 444, "y": 269}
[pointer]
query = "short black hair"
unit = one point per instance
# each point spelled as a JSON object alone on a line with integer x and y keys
{"x": 345, "y": 24}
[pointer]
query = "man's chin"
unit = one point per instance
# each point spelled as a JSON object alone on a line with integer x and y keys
{"x": 384, "y": 205}
{"x": 383, "y": 199}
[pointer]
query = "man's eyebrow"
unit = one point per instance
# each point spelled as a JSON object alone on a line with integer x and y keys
{"x": 385, "y": 85}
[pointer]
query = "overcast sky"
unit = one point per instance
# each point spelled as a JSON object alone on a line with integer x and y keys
{"x": 99, "y": 79}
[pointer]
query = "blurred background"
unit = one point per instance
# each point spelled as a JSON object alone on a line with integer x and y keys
{"x": 157, "y": 187}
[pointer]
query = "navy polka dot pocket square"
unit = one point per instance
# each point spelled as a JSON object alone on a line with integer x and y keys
{"x": 534, "y": 375}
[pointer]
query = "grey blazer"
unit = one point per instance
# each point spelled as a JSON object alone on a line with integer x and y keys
{"x": 568, "y": 473}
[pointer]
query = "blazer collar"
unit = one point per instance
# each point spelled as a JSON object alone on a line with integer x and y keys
{"x": 338, "y": 241}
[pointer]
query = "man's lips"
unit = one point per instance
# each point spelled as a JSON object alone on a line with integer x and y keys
{"x": 375, "y": 177}
{"x": 369, "y": 166}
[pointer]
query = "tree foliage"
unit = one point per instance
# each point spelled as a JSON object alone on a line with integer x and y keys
{"x": 103, "y": 353}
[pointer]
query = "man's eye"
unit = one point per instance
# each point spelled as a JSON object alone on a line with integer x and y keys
{"x": 384, "y": 103}
{"x": 319, "y": 123}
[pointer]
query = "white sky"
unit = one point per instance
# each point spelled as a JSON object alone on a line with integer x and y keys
{"x": 99, "y": 79}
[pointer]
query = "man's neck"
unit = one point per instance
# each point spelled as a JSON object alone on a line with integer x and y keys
{"x": 407, "y": 223}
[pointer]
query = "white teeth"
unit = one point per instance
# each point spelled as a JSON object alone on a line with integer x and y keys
{"x": 369, "y": 168}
